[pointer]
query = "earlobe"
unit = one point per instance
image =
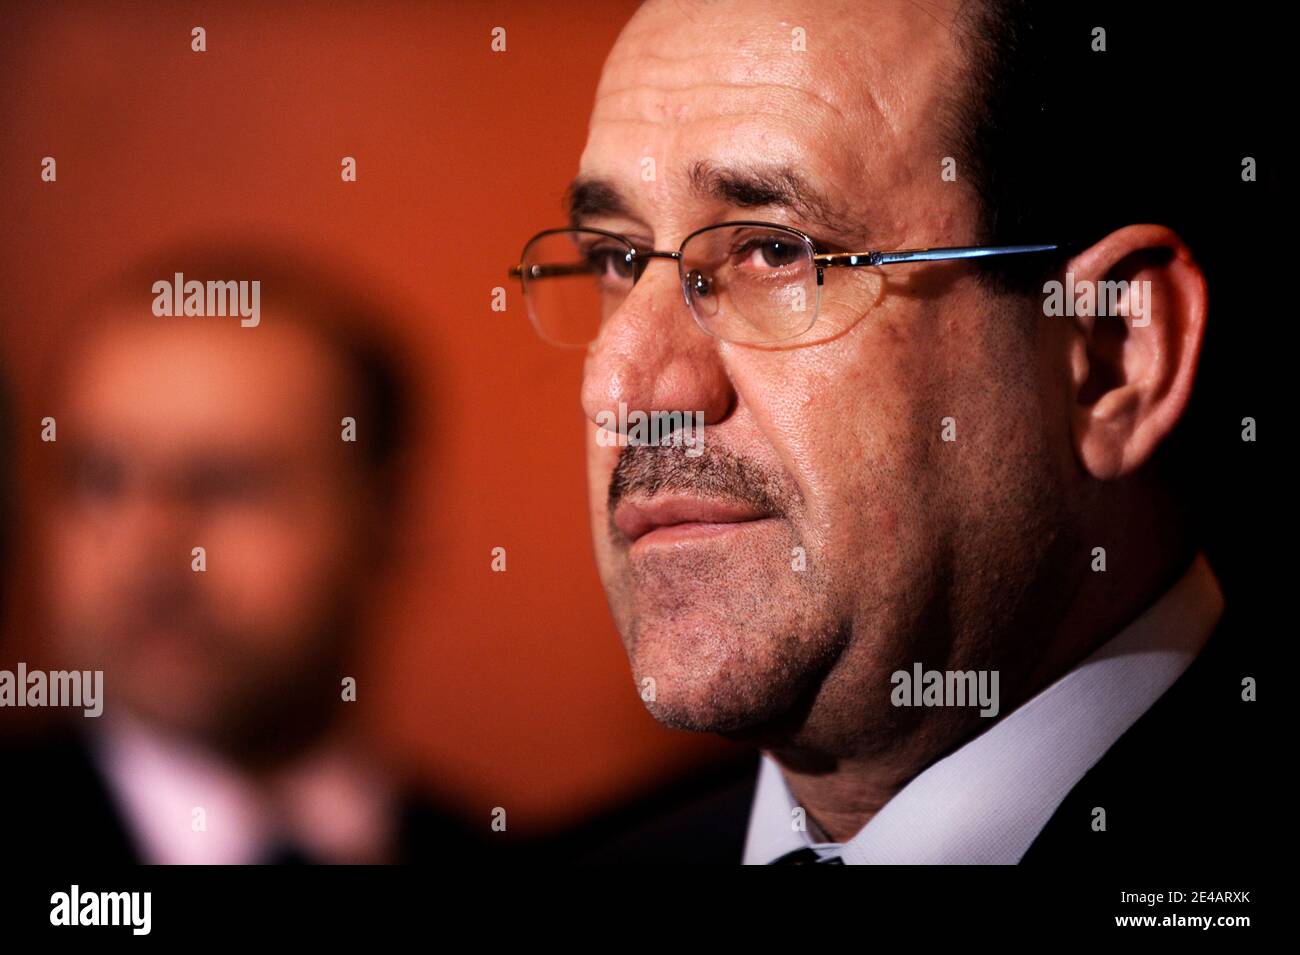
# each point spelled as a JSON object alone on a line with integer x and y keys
{"x": 1139, "y": 305}
{"x": 1102, "y": 441}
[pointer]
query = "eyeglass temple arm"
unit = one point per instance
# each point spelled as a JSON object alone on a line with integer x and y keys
{"x": 850, "y": 259}
{"x": 547, "y": 271}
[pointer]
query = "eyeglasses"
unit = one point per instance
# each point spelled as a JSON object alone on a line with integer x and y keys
{"x": 744, "y": 282}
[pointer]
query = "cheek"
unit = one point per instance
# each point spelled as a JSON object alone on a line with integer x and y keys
{"x": 601, "y": 461}
{"x": 79, "y": 573}
{"x": 826, "y": 423}
{"x": 849, "y": 424}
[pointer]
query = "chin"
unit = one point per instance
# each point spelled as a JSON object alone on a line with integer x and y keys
{"x": 711, "y": 678}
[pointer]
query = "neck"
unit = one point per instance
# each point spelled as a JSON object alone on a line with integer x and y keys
{"x": 842, "y": 793}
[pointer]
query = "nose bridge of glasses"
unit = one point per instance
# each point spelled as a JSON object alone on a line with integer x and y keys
{"x": 641, "y": 258}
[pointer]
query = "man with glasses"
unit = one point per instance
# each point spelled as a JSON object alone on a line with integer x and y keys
{"x": 929, "y": 562}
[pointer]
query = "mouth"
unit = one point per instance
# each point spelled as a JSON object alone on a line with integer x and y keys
{"x": 675, "y": 519}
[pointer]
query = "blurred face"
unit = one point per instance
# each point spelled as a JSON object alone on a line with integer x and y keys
{"x": 177, "y": 435}
{"x": 828, "y": 535}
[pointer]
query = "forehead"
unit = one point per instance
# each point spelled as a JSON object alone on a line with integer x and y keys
{"x": 846, "y": 93}
{"x": 175, "y": 384}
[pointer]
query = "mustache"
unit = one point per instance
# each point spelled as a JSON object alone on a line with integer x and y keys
{"x": 162, "y": 603}
{"x": 645, "y": 470}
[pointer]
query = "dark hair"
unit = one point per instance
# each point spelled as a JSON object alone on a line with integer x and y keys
{"x": 1059, "y": 141}
{"x": 1063, "y": 141}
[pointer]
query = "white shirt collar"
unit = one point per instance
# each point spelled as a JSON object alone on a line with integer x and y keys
{"x": 988, "y": 801}
{"x": 326, "y": 803}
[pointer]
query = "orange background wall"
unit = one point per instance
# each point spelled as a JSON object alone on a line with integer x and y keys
{"x": 501, "y": 689}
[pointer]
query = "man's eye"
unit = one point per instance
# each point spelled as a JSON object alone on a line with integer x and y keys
{"x": 609, "y": 261}
{"x": 770, "y": 252}
{"x": 98, "y": 477}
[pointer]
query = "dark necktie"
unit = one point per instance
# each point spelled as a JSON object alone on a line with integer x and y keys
{"x": 287, "y": 853}
{"x": 806, "y": 856}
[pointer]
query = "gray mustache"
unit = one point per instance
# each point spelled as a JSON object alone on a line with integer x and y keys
{"x": 645, "y": 470}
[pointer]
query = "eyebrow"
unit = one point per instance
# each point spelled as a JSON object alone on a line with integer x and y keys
{"x": 589, "y": 197}
{"x": 744, "y": 187}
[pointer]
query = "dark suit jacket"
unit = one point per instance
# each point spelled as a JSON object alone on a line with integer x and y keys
{"x": 55, "y": 807}
{"x": 1181, "y": 787}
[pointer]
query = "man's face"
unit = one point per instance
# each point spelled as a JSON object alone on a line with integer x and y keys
{"x": 828, "y": 535}
{"x": 178, "y": 435}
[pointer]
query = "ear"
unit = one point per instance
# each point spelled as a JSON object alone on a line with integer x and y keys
{"x": 1132, "y": 372}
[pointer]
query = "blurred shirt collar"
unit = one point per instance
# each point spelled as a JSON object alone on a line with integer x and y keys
{"x": 326, "y": 804}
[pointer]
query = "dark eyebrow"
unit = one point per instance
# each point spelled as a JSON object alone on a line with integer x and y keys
{"x": 748, "y": 187}
{"x": 751, "y": 187}
{"x": 589, "y": 197}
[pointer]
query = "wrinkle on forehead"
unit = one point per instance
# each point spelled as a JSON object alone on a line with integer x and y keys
{"x": 719, "y": 81}
{"x": 864, "y": 62}
{"x": 639, "y": 84}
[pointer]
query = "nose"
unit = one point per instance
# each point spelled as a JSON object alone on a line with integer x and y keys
{"x": 155, "y": 535}
{"x": 651, "y": 356}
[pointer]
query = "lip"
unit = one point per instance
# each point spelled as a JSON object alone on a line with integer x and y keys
{"x": 669, "y": 518}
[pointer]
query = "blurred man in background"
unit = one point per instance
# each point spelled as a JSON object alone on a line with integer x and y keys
{"x": 222, "y": 504}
